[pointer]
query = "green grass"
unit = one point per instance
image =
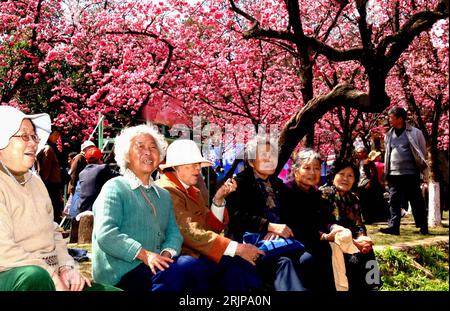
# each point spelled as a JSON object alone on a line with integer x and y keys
{"x": 398, "y": 272}
{"x": 408, "y": 231}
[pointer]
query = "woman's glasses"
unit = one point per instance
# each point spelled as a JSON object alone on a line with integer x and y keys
{"x": 27, "y": 137}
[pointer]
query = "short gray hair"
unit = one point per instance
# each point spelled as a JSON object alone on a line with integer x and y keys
{"x": 306, "y": 155}
{"x": 252, "y": 145}
{"x": 122, "y": 143}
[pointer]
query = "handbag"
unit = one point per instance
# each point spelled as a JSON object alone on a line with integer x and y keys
{"x": 274, "y": 248}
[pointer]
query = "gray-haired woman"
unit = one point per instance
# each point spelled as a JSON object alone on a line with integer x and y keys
{"x": 308, "y": 217}
{"x": 255, "y": 207}
{"x": 136, "y": 238}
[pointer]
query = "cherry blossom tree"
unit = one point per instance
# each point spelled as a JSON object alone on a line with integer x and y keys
{"x": 342, "y": 31}
{"x": 425, "y": 95}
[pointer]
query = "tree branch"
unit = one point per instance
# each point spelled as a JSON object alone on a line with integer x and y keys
{"x": 297, "y": 127}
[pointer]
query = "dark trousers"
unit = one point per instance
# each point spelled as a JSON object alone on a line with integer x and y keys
{"x": 373, "y": 205}
{"x": 316, "y": 271}
{"x": 230, "y": 274}
{"x": 404, "y": 189}
{"x": 172, "y": 279}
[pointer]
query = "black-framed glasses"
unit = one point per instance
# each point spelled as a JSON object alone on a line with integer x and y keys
{"x": 27, "y": 137}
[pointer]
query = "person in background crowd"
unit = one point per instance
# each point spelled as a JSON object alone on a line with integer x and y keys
{"x": 361, "y": 156}
{"x": 371, "y": 195}
{"x": 405, "y": 161}
{"x": 136, "y": 240}
{"x": 78, "y": 164}
{"x": 50, "y": 172}
{"x": 375, "y": 157}
{"x": 70, "y": 158}
{"x": 92, "y": 178}
{"x": 226, "y": 264}
{"x": 33, "y": 254}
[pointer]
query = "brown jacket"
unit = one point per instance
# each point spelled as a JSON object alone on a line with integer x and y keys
{"x": 49, "y": 167}
{"x": 201, "y": 230}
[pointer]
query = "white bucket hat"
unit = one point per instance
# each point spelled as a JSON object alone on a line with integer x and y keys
{"x": 344, "y": 239}
{"x": 11, "y": 119}
{"x": 182, "y": 152}
{"x": 86, "y": 144}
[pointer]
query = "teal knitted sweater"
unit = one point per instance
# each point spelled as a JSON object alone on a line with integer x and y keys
{"x": 124, "y": 222}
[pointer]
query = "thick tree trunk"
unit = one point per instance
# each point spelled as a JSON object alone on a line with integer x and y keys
{"x": 434, "y": 178}
{"x": 85, "y": 229}
{"x": 300, "y": 123}
{"x": 434, "y": 204}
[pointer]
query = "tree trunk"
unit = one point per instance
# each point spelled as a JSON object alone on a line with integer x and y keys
{"x": 434, "y": 178}
{"x": 434, "y": 204}
{"x": 85, "y": 229}
{"x": 297, "y": 127}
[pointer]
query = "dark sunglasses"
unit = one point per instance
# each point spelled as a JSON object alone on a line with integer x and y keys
{"x": 27, "y": 137}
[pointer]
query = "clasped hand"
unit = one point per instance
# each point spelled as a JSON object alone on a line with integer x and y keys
{"x": 364, "y": 245}
{"x": 249, "y": 252}
{"x": 70, "y": 280}
{"x": 277, "y": 230}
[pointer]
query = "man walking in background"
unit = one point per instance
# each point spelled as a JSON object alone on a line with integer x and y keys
{"x": 405, "y": 161}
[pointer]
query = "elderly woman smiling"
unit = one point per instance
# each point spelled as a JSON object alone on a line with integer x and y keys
{"x": 345, "y": 208}
{"x": 136, "y": 237}
{"x": 33, "y": 255}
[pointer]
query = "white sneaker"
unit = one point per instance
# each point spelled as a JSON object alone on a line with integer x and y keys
{"x": 404, "y": 212}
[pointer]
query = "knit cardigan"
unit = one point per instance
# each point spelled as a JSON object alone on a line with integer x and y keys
{"x": 124, "y": 222}
{"x": 28, "y": 235}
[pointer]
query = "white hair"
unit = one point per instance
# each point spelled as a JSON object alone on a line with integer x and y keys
{"x": 306, "y": 155}
{"x": 123, "y": 142}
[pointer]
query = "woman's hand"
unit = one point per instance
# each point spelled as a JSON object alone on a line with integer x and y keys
{"x": 271, "y": 236}
{"x": 334, "y": 229}
{"x": 248, "y": 252}
{"x": 280, "y": 230}
{"x": 364, "y": 245}
{"x": 73, "y": 280}
{"x": 229, "y": 186}
{"x": 59, "y": 284}
{"x": 154, "y": 261}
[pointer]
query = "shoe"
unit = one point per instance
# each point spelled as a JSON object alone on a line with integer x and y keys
{"x": 404, "y": 213}
{"x": 389, "y": 230}
{"x": 424, "y": 231}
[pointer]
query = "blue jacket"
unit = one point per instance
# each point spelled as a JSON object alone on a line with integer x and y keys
{"x": 91, "y": 179}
